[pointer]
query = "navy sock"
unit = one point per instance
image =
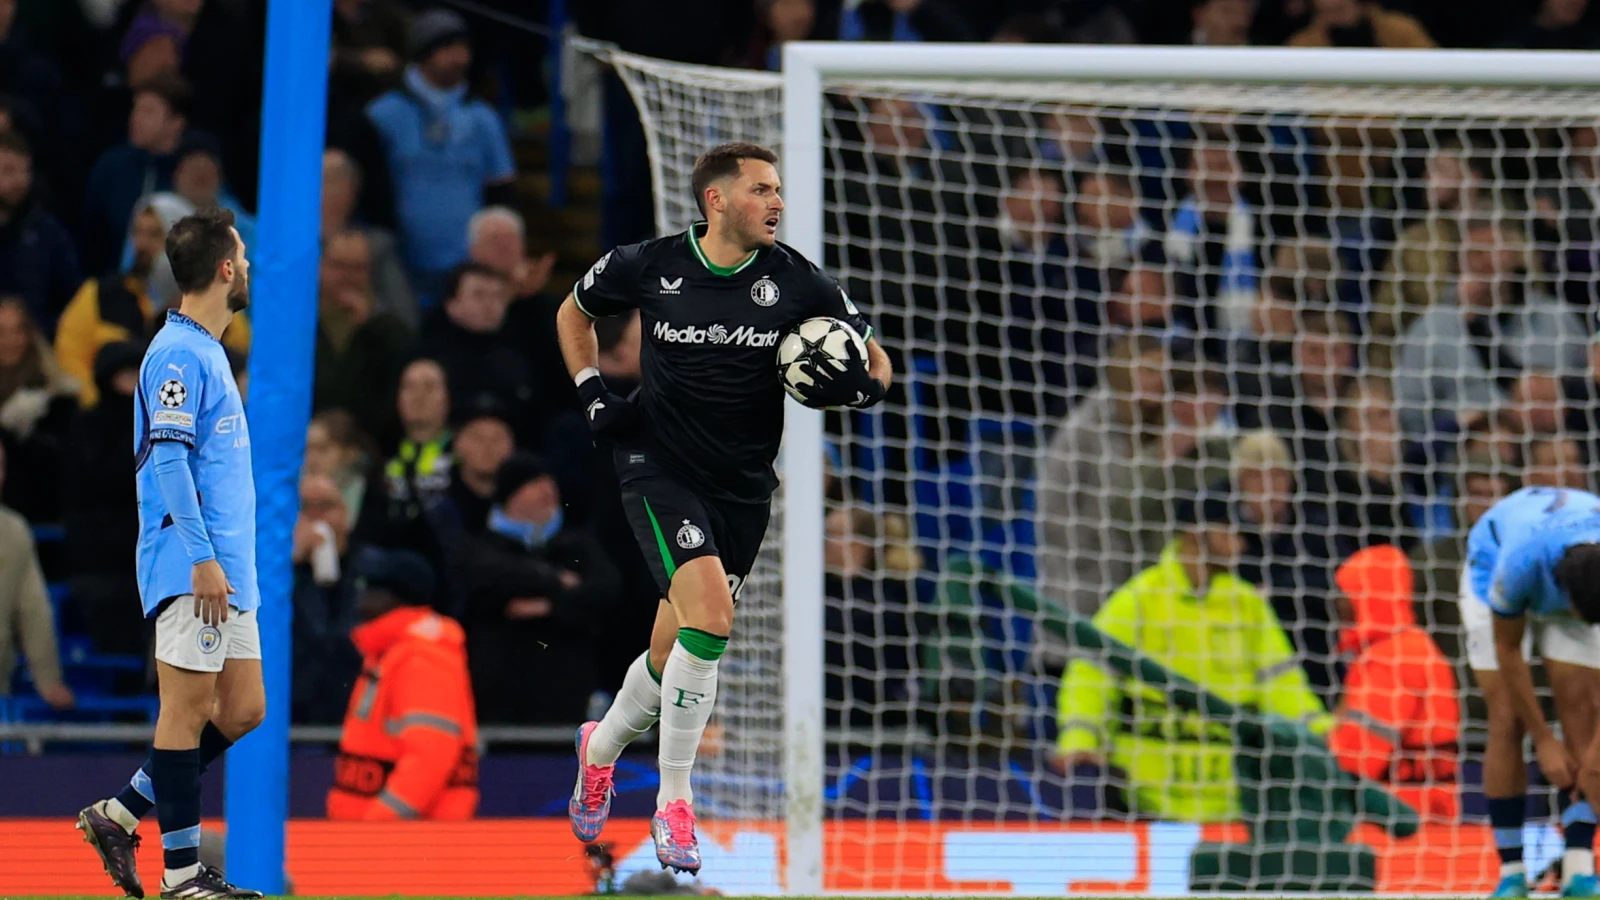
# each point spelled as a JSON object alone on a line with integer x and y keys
{"x": 176, "y": 777}
{"x": 1506, "y": 816}
{"x": 139, "y": 797}
{"x": 1577, "y": 822}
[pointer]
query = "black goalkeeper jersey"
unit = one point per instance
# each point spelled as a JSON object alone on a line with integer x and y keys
{"x": 709, "y": 394}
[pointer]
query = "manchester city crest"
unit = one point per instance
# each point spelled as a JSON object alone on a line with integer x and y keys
{"x": 209, "y": 639}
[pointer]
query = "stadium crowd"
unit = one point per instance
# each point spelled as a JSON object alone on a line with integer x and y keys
{"x": 1194, "y": 349}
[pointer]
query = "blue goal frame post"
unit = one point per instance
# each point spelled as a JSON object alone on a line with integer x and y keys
{"x": 284, "y": 320}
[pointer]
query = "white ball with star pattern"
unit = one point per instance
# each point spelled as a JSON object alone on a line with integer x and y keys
{"x": 823, "y": 340}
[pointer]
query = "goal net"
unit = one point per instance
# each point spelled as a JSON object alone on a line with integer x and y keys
{"x": 1338, "y": 316}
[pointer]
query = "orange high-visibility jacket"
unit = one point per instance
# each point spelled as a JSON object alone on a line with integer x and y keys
{"x": 409, "y": 748}
{"x": 1400, "y": 718}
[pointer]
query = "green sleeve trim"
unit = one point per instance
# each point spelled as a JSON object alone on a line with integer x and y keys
{"x": 661, "y": 541}
{"x": 702, "y": 644}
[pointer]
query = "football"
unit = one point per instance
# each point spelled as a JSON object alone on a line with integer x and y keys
{"x": 822, "y": 341}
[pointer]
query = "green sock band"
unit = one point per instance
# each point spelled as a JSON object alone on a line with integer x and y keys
{"x": 654, "y": 675}
{"x": 703, "y": 644}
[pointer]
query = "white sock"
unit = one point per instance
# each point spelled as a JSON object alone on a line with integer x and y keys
{"x": 688, "y": 692}
{"x": 1576, "y": 862}
{"x": 171, "y": 878}
{"x": 119, "y": 814}
{"x": 635, "y": 710}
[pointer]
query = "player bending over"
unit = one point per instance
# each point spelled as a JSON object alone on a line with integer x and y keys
{"x": 694, "y": 449}
{"x": 196, "y": 561}
{"x": 1533, "y": 570}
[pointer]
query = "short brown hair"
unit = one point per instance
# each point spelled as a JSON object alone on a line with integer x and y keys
{"x": 171, "y": 88}
{"x": 197, "y": 245}
{"x": 722, "y": 161}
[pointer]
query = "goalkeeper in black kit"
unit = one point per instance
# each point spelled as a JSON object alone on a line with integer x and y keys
{"x": 694, "y": 448}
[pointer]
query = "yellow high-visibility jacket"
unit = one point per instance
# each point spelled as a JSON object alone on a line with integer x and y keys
{"x": 1229, "y": 642}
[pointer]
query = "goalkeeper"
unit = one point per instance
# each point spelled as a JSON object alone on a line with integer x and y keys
{"x": 1191, "y": 614}
{"x": 694, "y": 449}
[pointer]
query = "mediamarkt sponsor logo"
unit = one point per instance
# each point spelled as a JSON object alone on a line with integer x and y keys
{"x": 743, "y": 336}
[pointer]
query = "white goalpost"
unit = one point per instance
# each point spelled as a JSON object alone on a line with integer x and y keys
{"x": 886, "y": 728}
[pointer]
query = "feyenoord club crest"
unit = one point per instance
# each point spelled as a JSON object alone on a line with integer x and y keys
{"x": 172, "y": 393}
{"x": 764, "y": 292}
{"x": 690, "y": 536}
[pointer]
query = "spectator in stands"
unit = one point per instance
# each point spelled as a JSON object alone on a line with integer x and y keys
{"x": 1301, "y": 278}
{"x": 410, "y": 743}
{"x": 536, "y": 594}
{"x": 341, "y": 187}
{"x": 154, "y": 43}
{"x": 360, "y": 348}
{"x": 1370, "y": 489}
{"x": 869, "y": 566}
{"x": 469, "y": 339}
{"x": 448, "y": 155}
{"x": 1301, "y": 402}
{"x": 26, "y": 619}
{"x": 1213, "y": 237}
{"x": 132, "y": 304}
{"x": 140, "y": 167}
{"x": 1093, "y": 479}
{"x": 100, "y": 508}
{"x": 40, "y": 106}
{"x": 336, "y": 449}
{"x": 36, "y": 407}
{"x": 1498, "y": 327}
{"x": 324, "y": 603}
{"x": 1558, "y": 25}
{"x": 497, "y": 238}
{"x": 417, "y": 477}
{"x": 38, "y": 261}
{"x": 1564, "y": 208}
{"x": 777, "y": 23}
{"x": 1177, "y": 769}
{"x": 1287, "y": 547}
{"x": 482, "y": 444}
{"x": 369, "y": 48}
{"x": 1030, "y": 333}
{"x": 1556, "y": 461}
{"x": 1426, "y": 259}
{"x": 1142, "y": 301}
{"x": 906, "y": 20}
{"x": 1222, "y": 23}
{"x": 1360, "y": 23}
{"x": 197, "y": 178}
{"x": 1399, "y": 718}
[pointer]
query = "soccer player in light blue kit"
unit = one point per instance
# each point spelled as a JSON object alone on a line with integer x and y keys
{"x": 196, "y": 563}
{"x": 1533, "y": 571}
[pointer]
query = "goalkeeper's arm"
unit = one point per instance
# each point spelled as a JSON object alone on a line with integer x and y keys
{"x": 609, "y": 414}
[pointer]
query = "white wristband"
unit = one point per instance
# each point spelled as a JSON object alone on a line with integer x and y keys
{"x": 585, "y": 375}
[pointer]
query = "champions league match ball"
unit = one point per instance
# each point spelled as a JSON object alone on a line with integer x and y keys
{"x": 823, "y": 341}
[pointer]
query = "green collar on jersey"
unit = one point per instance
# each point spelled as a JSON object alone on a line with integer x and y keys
{"x": 713, "y": 268}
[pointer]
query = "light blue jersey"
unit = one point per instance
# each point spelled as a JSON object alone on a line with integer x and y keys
{"x": 1513, "y": 551}
{"x": 189, "y": 405}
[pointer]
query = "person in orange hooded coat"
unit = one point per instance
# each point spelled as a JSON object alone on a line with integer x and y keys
{"x": 1400, "y": 718}
{"x": 409, "y": 747}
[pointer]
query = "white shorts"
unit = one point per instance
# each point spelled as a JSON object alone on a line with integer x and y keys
{"x": 1560, "y": 639}
{"x": 184, "y": 641}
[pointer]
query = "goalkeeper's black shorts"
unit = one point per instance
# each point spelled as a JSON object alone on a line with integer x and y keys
{"x": 674, "y": 524}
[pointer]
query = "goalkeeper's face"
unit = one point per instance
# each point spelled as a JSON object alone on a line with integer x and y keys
{"x": 751, "y": 206}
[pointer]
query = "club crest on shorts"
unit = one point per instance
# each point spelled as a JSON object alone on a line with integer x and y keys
{"x": 209, "y": 639}
{"x": 764, "y": 292}
{"x": 690, "y": 536}
{"x": 172, "y": 393}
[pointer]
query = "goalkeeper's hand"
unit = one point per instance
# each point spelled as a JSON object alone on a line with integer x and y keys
{"x": 853, "y": 386}
{"x": 610, "y": 415}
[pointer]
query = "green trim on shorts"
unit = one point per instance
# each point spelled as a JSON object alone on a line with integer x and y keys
{"x": 654, "y": 675}
{"x": 661, "y": 540}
